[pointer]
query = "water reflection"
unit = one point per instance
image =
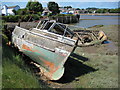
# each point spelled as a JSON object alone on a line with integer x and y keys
{"x": 89, "y": 20}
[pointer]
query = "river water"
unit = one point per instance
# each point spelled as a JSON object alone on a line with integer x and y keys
{"x": 91, "y": 20}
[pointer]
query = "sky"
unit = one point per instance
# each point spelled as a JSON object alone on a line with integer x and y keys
{"x": 73, "y": 3}
{"x": 63, "y": 0}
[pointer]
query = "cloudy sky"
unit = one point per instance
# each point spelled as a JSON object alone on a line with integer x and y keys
{"x": 63, "y": 0}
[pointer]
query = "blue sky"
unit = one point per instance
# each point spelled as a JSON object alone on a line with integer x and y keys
{"x": 63, "y": 0}
{"x": 73, "y": 3}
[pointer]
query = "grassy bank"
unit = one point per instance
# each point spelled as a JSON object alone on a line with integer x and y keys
{"x": 16, "y": 74}
{"x": 103, "y": 58}
{"x": 106, "y": 74}
{"x": 88, "y": 67}
{"x": 93, "y": 66}
{"x": 0, "y": 67}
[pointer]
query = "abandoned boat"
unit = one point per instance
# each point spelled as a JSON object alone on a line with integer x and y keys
{"x": 90, "y": 37}
{"x": 50, "y": 44}
{"x": 47, "y": 44}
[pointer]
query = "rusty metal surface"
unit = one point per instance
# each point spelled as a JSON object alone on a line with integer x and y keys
{"x": 51, "y": 44}
{"x": 49, "y": 50}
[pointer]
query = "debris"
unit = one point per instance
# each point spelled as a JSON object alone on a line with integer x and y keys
{"x": 50, "y": 44}
{"x": 47, "y": 45}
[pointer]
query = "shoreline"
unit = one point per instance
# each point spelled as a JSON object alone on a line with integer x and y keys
{"x": 102, "y": 14}
{"x": 87, "y": 63}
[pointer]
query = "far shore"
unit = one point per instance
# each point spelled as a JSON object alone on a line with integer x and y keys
{"x": 107, "y": 14}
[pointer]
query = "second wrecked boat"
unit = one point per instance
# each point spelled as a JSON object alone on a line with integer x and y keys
{"x": 49, "y": 45}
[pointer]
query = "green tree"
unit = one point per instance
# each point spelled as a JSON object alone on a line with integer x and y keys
{"x": 102, "y": 10}
{"x": 21, "y": 12}
{"x": 117, "y": 10}
{"x": 91, "y": 8}
{"x": 34, "y": 6}
{"x": 14, "y": 11}
{"x": 77, "y": 9}
{"x": 53, "y": 7}
{"x": 67, "y": 7}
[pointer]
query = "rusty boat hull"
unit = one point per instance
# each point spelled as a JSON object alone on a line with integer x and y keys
{"x": 50, "y": 44}
{"x": 49, "y": 50}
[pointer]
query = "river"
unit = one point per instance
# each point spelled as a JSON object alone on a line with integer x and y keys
{"x": 91, "y": 20}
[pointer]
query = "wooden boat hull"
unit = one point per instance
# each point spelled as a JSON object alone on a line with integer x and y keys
{"x": 51, "y": 61}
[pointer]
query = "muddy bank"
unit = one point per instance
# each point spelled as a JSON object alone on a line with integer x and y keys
{"x": 90, "y": 67}
{"x": 100, "y": 14}
{"x": 93, "y": 66}
{"x": 110, "y": 30}
{"x": 111, "y": 47}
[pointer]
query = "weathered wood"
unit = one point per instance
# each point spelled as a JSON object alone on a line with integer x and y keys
{"x": 65, "y": 19}
{"x": 48, "y": 49}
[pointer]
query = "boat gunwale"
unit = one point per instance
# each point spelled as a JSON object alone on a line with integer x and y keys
{"x": 46, "y": 37}
{"x": 45, "y": 31}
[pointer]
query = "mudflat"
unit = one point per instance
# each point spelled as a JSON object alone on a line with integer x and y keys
{"x": 93, "y": 66}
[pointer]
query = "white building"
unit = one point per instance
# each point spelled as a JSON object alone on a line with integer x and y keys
{"x": 9, "y": 10}
{"x": 46, "y": 12}
{"x": 72, "y": 12}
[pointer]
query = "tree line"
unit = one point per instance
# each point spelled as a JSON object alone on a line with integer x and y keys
{"x": 101, "y": 10}
{"x": 31, "y": 12}
{"x": 35, "y": 7}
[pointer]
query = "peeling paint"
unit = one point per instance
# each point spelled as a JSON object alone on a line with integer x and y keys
{"x": 47, "y": 48}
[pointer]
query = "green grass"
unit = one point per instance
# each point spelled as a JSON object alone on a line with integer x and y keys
{"x": 15, "y": 73}
{"x": 0, "y": 67}
{"x": 14, "y": 77}
{"x": 100, "y": 70}
{"x": 106, "y": 74}
{"x": 105, "y": 77}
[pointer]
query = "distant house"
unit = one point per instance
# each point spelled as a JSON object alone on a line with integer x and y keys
{"x": 69, "y": 11}
{"x": 72, "y": 12}
{"x": 46, "y": 12}
{"x": 9, "y": 10}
